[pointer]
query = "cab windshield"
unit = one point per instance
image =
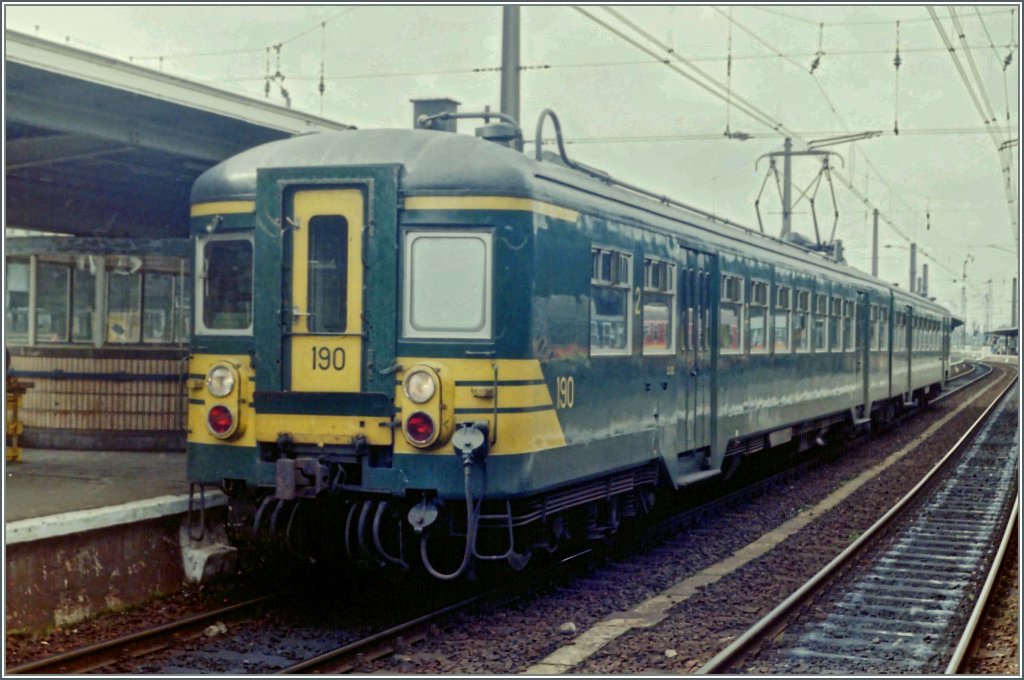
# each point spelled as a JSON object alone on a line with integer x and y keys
{"x": 225, "y": 285}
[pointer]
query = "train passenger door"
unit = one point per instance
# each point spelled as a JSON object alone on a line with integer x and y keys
{"x": 695, "y": 344}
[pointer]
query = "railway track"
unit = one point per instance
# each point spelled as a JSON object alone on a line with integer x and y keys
{"x": 360, "y": 648}
{"x": 900, "y": 598}
{"x": 149, "y": 641}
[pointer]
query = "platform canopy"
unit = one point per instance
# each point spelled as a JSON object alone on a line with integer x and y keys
{"x": 100, "y": 147}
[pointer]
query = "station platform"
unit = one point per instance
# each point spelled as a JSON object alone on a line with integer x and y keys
{"x": 46, "y": 482}
{"x": 88, "y": 531}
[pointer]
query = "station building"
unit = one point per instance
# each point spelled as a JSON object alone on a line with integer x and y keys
{"x": 101, "y": 155}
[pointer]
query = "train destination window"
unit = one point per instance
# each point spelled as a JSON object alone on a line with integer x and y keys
{"x": 730, "y": 315}
{"x": 447, "y": 285}
{"x": 224, "y": 301}
{"x": 849, "y": 325}
{"x": 328, "y": 273}
{"x": 658, "y": 307}
{"x": 757, "y": 317}
{"x": 820, "y": 325}
{"x": 781, "y": 318}
{"x": 801, "y": 321}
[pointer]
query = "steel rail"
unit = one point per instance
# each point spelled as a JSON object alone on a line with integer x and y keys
{"x": 101, "y": 654}
{"x": 964, "y": 649}
{"x": 744, "y": 642}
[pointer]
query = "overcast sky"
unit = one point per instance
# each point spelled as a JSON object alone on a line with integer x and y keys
{"x": 646, "y": 122}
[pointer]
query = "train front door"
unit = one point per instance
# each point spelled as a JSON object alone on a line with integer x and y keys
{"x": 695, "y": 433}
{"x": 323, "y": 347}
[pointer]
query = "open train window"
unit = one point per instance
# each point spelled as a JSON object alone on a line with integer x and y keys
{"x": 730, "y": 315}
{"x": 757, "y": 317}
{"x": 610, "y": 302}
{"x": 780, "y": 328}
{"x": 659, "y": 307}
{"x": 224, "y": 285}
{"x": 447, "y": 285}
{"x": 802, "y": 321}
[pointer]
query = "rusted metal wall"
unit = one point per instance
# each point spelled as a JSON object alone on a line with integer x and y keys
{"x": 115, "y": 399}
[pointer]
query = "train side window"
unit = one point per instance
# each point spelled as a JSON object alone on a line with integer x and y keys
{"x": 820, "y": 323}
{"x": 757, "y": 317}
{"x": 704, "y": 324}
{"x": 730, "y": 315}
{"x": 873, "y": 327}
{"x": 883, "y": 329}
{"x": 688, "y": 302}
{"x": 835, "y": 325}
{"x": 801, "y": 321}
{"x": 781, "y": 318}
{"x": 610, "y": 302}
{"x": 849, "y": 325}
{"x": 658, "y": 308}
{"x": 447, "y": 289}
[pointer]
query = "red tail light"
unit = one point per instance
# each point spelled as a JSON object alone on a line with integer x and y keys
{"x": 220, "y": 420}
{"x": 420, "y": 427}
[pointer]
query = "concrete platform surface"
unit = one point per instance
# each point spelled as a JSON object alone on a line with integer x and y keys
{"x": 46, "y": 482}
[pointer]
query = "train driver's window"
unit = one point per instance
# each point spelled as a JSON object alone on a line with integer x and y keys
{"x": 801, "y": 321}
{"x": 659, "y": 307}
{"x": 447, "y": 285}
{"x": 820, "y": 325}
{"x": 730, "y": 315}
{"x": 781, "y": 323}
{"x": 758, "y": 317}
{"x": 611, "y": 277}
{"x": 224, "y": 285}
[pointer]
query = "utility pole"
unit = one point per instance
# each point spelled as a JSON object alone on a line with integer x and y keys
{"x": 510, "y": 61}
{"x": 913, "y": 267}
{"x": 787, "y": 192}
{"x": 1013, "y": 304}
{"x": 874, "y": 246}
{"x": 988, "y": 306}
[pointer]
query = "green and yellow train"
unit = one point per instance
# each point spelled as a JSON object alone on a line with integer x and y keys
{"x": 425, "y": 349}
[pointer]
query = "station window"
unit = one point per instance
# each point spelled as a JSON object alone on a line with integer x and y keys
{"x": 781, "y": 318}
{"x": 610, "y": 302}
{"x": 849, "y": 324}
{"x": 447, "y": 290}
{"x": 730, "y": 316}
{"x": 83, "y": 303}
{"x": 16, "y": 308}
{"x": 53, "y": 287}
{"x": 124, "y": 304}
{"x": 758, "y": 317}
{"x": 801, "y": 321}
{"x": 158, "y": 308}
{"x": 659, "y": 306}
{"x": 820, "y": 325}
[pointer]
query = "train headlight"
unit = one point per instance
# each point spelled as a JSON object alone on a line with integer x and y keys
{"x": 220, "y": 380}
{"x": 420, "y": 386}
{"x": 420, "y": 429}
{"x": 221, "y": 421}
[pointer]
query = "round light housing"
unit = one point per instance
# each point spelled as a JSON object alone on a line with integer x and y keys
{"x": 220, "y": 380}
{"x": 420, "y": 386}
{"x": 221, "y": 421}
{"x": 420, "y": 428}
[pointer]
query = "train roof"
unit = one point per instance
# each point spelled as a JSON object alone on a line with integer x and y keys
{"x": 459, "y": 164}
